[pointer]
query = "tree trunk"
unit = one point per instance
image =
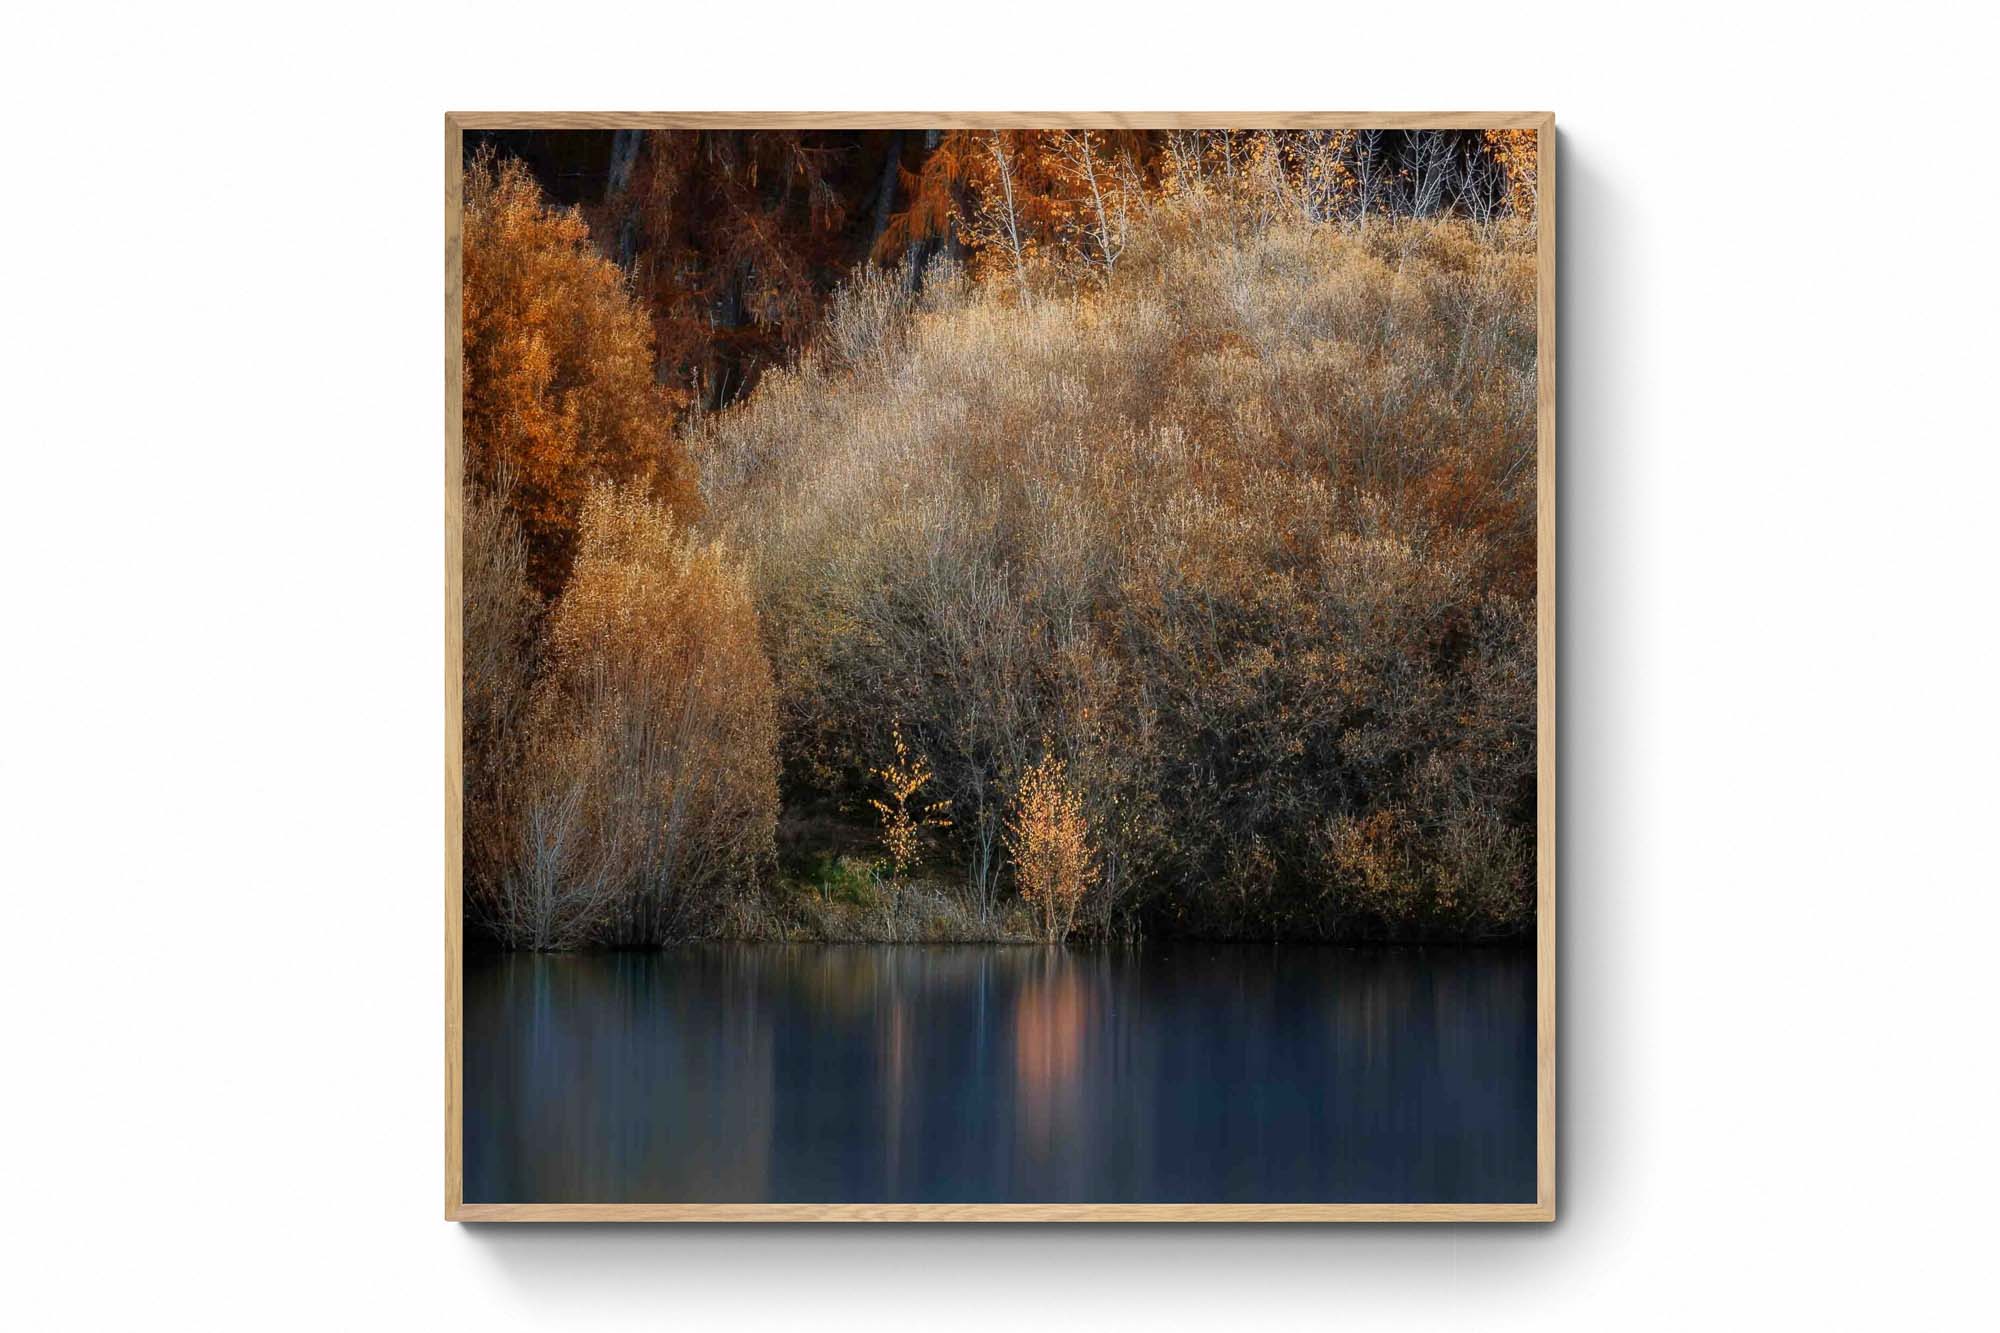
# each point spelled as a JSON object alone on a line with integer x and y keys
{"x": 885, "y": 195}
{"x": 625, "y": 145}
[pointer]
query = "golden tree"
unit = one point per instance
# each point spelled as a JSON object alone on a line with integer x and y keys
{"x": 1049, "y": 839}
{"x": 559, "y": 387}
{"x": 1518, "y": 152}
{"x": 649, "y": 791}
{"x": 902, "y": 823}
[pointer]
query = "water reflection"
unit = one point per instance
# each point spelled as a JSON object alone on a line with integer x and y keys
{"x": 1180, "y": 1073}
{"x": 1052, "y": 1012}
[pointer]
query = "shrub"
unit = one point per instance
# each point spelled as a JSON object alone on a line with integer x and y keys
{"x": 903, "y": 824}
{"x": 500, "y": 614}
{"x": 1049, "y": 839}
{"x": 648, "y": 790}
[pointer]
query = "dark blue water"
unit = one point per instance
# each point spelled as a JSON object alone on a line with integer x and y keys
{"x": 1178, "y": 1073}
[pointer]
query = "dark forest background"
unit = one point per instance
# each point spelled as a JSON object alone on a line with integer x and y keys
{"x": 736, "y": 238}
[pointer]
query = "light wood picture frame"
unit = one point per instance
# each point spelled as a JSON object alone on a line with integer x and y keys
{"x": 1541, "y": 1208}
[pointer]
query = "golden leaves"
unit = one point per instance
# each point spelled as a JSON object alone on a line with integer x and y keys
{"x": 558, "y": 357}
{"x": 903, "y": 825}
{"x": 1050, "y": 841}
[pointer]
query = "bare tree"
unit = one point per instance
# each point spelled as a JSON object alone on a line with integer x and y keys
{"x": 1367, "y": 174}
{"x": 1077, "y": 151}
{"x": 1010, "y": 217}
{"x": 1432, "y": 168}
{"x": 1481, "y": 189}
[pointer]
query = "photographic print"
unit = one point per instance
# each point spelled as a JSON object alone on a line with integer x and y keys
{"x": 1000, "y": 667}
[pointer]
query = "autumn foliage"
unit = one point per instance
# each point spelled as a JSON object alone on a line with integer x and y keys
{"x": 1121, "y": 532}
{"x": 559, "y": 388}
{"x": 1243, "y": 534}
{"x": 1049, "y": 838}
{"x": 904, "y": 817}
{"x": 645, "y": 793}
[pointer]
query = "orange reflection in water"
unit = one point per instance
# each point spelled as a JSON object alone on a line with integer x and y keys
{"x": 1053, "y": 1012}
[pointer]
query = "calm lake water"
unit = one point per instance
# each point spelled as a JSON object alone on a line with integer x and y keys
{"x": 858, "y": 1073}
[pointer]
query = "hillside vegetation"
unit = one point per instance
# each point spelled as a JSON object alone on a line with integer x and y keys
{"x": 1245, "y": 538}
{"x": 1176, "y": 581}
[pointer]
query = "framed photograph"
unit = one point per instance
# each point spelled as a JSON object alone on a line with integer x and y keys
{"x": 1000, "y": 667}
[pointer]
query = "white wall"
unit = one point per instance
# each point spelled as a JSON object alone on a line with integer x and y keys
{"x": 221, "y": 663}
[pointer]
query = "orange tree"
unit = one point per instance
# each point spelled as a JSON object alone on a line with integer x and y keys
{"x": 559, "y": 384}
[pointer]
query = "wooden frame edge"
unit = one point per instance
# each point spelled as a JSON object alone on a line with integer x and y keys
{"x": 889, "y": 120}
{"x": 1544, "y": 1207}
{"x": 454, "y": 653}
{"x": 1545, "y": 665}
{"x": 1004, "y": 1212}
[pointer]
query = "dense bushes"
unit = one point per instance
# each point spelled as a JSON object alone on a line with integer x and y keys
{"x": 619, "y": 735}
{"x": 1243, "y": 536}
{"x": 1190, "y": 593}
{"x": 632, "y": 795}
